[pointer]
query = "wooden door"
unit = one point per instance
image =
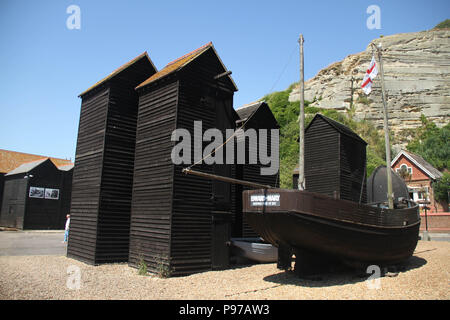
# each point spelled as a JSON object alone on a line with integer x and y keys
{"x": 221, "y": 229}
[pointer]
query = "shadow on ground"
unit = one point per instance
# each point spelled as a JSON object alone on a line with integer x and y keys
{"x": 341, "y": 274}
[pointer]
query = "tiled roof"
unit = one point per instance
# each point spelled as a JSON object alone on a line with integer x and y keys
{"x": 10, "y": 160}
{"x": 176, "y": 64}
{"x": 118, "y": 70}
{"x": 179, "y": 63}
{"x": 420, "y": 162}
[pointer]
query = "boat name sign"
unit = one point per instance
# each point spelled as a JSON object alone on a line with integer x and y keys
{"x": 259, "y": 200}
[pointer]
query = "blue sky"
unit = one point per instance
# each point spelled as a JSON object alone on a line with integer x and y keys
{"x": 44, "y": 65}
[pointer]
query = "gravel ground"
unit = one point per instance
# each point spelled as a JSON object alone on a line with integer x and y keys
{"x": 46, "y": 277}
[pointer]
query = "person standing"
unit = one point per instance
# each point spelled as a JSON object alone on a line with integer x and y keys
{"x": 66, "y": 233}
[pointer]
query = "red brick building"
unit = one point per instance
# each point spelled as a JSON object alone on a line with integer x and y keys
{"x": 419, "y": 178}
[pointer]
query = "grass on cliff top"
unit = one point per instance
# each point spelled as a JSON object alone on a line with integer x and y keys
{"x": 443, "y": 25}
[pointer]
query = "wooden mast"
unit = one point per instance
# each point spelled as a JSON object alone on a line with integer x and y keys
{"x": 301, "y": 162}
{"x": 386, "y": 129}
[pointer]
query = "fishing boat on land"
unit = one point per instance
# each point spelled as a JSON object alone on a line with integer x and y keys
{"x": 357, "y": 234}
{"x": 316, "y": 224}
{"x": 328, "y": 216}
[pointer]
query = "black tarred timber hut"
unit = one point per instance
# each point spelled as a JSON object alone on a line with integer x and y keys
{"x": 104, "y": 163}
{"x": 179, "y": 222}
{"x": 36, "y": 196}
{"x": 335, "y": 160}
{"x": 256, "y": 115}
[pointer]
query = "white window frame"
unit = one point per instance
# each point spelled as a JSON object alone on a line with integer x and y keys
{"x": 404, "y": 165}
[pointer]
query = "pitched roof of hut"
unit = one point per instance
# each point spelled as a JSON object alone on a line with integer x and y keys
{"x": 119, "y": 70}
{"x": 27, "y": 166}
{"x": 338, "y": 126}
{"x": 67, "y": 167}
{"x": 420, "y": 162}
{"x": 9, "y": 160}
{"x": 178, "y": 64}
{"x": 246, "y": 111}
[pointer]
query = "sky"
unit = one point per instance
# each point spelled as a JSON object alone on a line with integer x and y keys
{"x": 45, "y": 64}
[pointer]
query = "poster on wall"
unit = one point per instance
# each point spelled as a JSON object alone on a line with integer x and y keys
{"x": 51, "y": 194}
{"x": 36, "y": 192}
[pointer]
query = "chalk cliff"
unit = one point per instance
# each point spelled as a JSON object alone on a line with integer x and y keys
{"x": 417, "y": 81}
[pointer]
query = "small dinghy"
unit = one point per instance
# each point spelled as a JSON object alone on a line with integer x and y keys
{"x": 254, "y": 249}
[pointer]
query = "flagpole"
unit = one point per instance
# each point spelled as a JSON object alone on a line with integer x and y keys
{"x": 301, "y": 162}
{"x": 386, "y": 130}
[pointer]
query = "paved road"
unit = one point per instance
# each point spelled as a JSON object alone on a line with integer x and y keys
{"x": 437, "y": 236}
{"x": 26, "y": 243}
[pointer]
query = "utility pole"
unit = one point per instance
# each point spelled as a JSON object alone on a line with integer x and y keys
{"x": 301, "y": 162}
{"x": 386, "y": 130}
{"x": 351, "y": 96}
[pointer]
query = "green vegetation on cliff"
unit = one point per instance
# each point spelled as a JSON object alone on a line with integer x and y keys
{"x": 443, "y": 25}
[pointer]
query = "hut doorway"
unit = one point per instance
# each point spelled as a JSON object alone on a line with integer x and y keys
{"x": 220, "y": 233}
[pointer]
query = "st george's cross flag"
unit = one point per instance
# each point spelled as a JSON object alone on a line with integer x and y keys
{"x": 371, "y": 73}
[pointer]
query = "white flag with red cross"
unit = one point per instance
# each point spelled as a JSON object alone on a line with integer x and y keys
{"x": 371, "y": 73}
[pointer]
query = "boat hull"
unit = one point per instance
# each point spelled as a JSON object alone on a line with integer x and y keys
{"x": 357, "y": 234}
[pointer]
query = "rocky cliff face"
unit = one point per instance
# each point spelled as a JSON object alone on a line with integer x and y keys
{"x": 417, "y": 81}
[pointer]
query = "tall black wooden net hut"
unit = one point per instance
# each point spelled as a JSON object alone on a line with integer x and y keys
{"x": 335, "y": 160}
{"x": 181, "y": 222}
{"x": 36, "y": 196}
{"x": 254, "y": 116}
{"x": 104, "y": 162}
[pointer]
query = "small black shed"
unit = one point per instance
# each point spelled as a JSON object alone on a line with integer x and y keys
{"x": 104, "y": 163}
{"x": 256, "y": 115}
{"x": 179, "y": 222}
{"x": 335, "y": 160}
{"x": 36, "y": 196}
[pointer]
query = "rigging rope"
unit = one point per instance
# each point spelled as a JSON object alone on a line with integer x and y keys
{"x": 232, "y": 136}
{"x": 221, "y": 146}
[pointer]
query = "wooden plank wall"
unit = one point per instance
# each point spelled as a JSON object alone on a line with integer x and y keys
{"x": 191, "y": 217}
{"x": 66, "y": 197}
{"x": 41, "y": 213}
{"x": 104, "y": 164}
{"x": 87, "y": 176}
{"x": 14, "y": 201}
{"x": 113, "y": 224}
{"x": 353, "y": 175}
{"x": 252, "y": 172}
{"x": 171, "y": 221}
{"x": 322, "y": 165}
{"x": 2, "y": 187}
{"x": 196, "y": 200}
{"x": 151, "y": 208}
